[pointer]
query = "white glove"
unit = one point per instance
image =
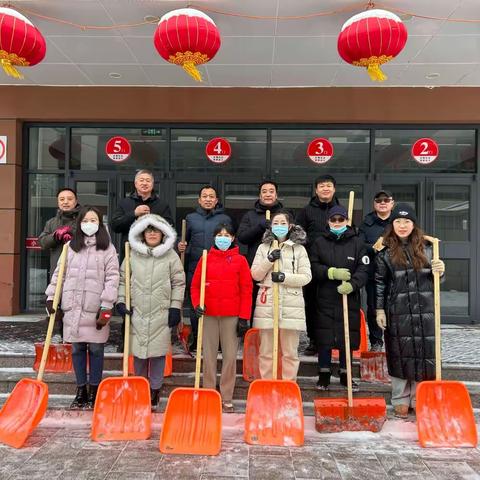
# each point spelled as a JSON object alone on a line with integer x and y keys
{"x": 438, "y": 266}
{"x": 381, "y": 319}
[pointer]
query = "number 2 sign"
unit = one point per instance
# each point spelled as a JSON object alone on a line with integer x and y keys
{"x": 320, "y": 150}
{"x": 425, "y": 151}
{"x": 218, "y": 150}
{"x": 118, "y": 149}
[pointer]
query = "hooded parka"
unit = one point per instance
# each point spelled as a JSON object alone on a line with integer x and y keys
{"x": 406, "y": 296}
{"x": 294, "y": 263}
{"x": 157, "y": 284}
{"x": 346, "y": 251}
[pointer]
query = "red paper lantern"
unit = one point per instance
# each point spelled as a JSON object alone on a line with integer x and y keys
{"x": 370, "y": 39}
{"x": 187, "y": 37}
{"x": 21, "y": 43}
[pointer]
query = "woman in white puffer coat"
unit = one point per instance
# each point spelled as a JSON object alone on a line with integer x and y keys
{"x": 157, "y": 290}
{"x": 293, "y": 275}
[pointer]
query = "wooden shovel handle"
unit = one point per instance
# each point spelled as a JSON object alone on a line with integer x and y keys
{"x": 51, "y": 320}
{"x": 198, "y": 360}
{"x": 436, "y": 300}
{"x": 183, "y": 238}
{"x": 128, "y": 301}
{"x": 276, "y": 315}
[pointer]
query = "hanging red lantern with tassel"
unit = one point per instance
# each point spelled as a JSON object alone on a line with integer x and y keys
{"x": 187, "y": 37}
{"x": 21, "y": 43}
{"x": 370, "y": 39}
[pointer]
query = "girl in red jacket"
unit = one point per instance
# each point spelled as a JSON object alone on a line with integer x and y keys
{"x": 228, "y": 302}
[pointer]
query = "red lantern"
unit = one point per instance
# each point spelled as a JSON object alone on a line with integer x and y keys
{"x": 370, "y": 39}
{"x": 21, "y": 43}
{"x": 187, "y": 37}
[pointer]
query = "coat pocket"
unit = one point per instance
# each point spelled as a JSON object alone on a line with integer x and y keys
{"x": 67, "y": 300}
{"x": 91, "y": 302}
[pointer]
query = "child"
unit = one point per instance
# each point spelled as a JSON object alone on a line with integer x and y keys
{"x": 89, "y": 291}
{"x": 157, "y": 289}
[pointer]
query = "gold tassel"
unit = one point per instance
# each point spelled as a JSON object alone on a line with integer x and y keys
{"x": 192, "y": 70}
{"x": 376, "y": 73}
{"x": 10, "y": 70}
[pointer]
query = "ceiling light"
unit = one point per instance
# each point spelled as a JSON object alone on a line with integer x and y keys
{"x": 431, "y": 76}
{"x": 115, "y": 75}
{"x": 151, "y": 18}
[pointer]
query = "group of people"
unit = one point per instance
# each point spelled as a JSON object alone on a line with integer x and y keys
{"x": 320, "y": 257}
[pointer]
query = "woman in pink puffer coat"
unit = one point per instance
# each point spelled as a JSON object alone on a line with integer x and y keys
{"x": 89, "y": 291}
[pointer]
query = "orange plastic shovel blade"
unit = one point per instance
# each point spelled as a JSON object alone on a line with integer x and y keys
{"x": 23, "y": 411}
{"x": 444, "y": 415}
{"x": 363, "y": 339}
{"x": 334, "y": 414}
{"x": 192, "y": 423}
{"x": 373, "y": 367}
{"x": 274, "y": 414}
{"x": 59, "y": 359}
{"x": 167, "y": 371}
{"x": 122, "y": 410}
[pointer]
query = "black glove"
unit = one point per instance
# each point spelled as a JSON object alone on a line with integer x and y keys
{"x": 49, "y": 307}
{"x": 199, "y": 311}
{"x": 278, "y": 277}
{"x": 274, "y": 255}
{"x": 122, "y": 310}
{"x": 242, "y": 327}
{"x": 174, "y": 317}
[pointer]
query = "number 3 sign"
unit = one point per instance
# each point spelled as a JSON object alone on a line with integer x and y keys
{"x": 118, "y": 149}
{"x": 425, "y": 151}
{"x": 320, "y": 151}
{"x": 218, "y": 150}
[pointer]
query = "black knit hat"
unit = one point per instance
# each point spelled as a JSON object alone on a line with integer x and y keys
{"x": 338, "y": 210}
{"x": 404, "y": 210}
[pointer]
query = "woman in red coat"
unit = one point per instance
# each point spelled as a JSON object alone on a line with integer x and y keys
{"x": 228, "y": 303}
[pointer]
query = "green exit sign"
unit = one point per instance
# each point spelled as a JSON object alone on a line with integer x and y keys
{"x": 151, "y": 132}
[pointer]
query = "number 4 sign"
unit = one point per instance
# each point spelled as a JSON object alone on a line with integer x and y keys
{"x": 218, "y": 150}
{"x": 320, "y": 150}
{"x": 425, "y": 151}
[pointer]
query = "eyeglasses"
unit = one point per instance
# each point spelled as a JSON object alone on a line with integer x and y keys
{"x": 152, "y": 230}
{"x": 337, "y": 219}
{"x": 383, "y": 200}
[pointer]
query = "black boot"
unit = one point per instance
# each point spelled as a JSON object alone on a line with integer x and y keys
{"x": 343, "y": 381}
{"x": 92, "y": 396}
{"x": 193, "y": 345}
{"x": 323, "y": 380}
{"x": 81, "y": 398}
{"x": 311, "y": 349}
{"x": 155, "y": 397}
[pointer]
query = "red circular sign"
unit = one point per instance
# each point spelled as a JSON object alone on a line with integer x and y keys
{"x": 320, "y": 150}
{"x": 425, "y": 151}
{"x": 218, "y": 150}
{"x": 118, "y": 149}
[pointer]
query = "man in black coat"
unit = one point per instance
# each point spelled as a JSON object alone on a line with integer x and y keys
{"x": 371, "y": 229}
{"x": 314, "y": 220}
{"x": 141, "y": 202}
{"x": 199, "y": 236}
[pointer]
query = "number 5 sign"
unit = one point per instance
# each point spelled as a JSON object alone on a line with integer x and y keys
{"x": 425, "y": 151}
{"x": 118, "y": 149}
{"x": 320, "y": 151}
{"x": 218, "y": 150}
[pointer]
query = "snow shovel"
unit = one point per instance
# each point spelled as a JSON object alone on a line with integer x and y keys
{"x": 340, "y": 414}
{"x": 192, "y": 423}
{"x": 59, "y": 359}
{"x": 363, "y": 339}
{"x": 274, "y": 412}
{"x": 122, "y": 409}
{"x": 444, "y": 410}
{"x": 27, "y": 404}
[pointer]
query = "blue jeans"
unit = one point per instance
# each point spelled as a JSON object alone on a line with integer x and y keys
{"x": 152, "y": 369}
{"x": 95, "y": 357}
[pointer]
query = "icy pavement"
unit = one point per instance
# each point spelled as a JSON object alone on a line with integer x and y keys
{"x": 61, "y": 449}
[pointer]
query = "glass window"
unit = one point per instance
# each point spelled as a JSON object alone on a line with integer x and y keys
{"x": 351, "y": 151}
{"x": 149, "y": 149}
{"x": 46, "y": 149}
{"x": 295, "y": 197}
{"x": 94, "y": 194}
{"x": 187, "y": 201}
{"x": 452, "y": 212}
{"x": 42, "y": 191}
{"x": 456, "y": 151}
{"x": 455, "y": 288}
{"x": 249, "y": 150}
{"x": 404, "y": 194}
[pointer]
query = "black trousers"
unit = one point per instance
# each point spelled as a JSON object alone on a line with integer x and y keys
{"x": 375, "y": 332}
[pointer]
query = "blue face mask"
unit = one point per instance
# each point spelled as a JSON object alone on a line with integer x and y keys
{"x": 280, "y": 231}
{"x": 223, "y": 243}
{"x": 338, "y": 231}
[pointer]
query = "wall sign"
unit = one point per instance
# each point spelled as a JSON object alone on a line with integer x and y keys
{"x": 31, "y": 243}
{"x": 3, "y": 149}
{"x": 320, "y": 150}
{"x": 118, "y": 149}
{"x": 218, "y": 150}
{"x": 425, "y": 151}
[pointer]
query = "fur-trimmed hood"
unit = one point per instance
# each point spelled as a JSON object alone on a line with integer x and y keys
{"x": 135, "y": 236}
{"x": 296, "y": 235}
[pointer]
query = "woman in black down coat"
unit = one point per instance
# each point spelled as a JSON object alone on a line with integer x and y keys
{"x": 405, "y": 306}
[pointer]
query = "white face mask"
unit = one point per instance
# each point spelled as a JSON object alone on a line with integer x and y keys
{"x": 89, "y": 228}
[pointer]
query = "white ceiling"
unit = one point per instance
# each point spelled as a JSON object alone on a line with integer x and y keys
{"x": 265, "y": 53}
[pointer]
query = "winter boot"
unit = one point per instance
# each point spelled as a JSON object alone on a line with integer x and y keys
{"x": 323, "y": 380}
{"x": 155, "y": 397}
{"x": 343, "y": 381}
{"x": 81, "y": 398}
{"x": 92, "y": 396}
{"x": 311, "y": 349}
{"x": 193, "y": 345}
